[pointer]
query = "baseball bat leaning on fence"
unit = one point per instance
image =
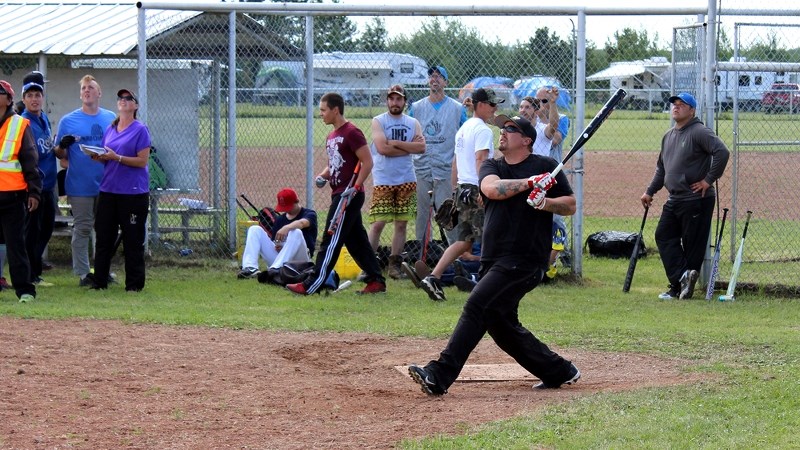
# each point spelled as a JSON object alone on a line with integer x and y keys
{"x": 339, "y": 214}
{"x": 635, "y": 255}
{"x": 712, "y": 279}
{"x": 737, "y": 264}
{"x": 590, "y": 129}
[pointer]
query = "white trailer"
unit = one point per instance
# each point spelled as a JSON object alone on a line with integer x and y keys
{"x": 646, "y": 81}
{"x": 360, "y": 77}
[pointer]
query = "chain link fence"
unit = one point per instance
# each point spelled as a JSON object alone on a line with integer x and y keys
{"x": 231, "y": 122}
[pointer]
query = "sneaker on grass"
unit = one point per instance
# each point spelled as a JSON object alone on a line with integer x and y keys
{"x": 465, "y": 284}
{"x": 671, "y": 294}
{"x": 247, "y": 272}
{"x": 297, "y": 288}
{"x": 38, "y": 281}
{"x": 433, "y": 287}
{"x": 26, "y": 298}
{"x": 373, "y": 287}
{"x": 688, "y": 280}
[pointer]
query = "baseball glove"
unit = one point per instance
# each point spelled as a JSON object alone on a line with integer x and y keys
{"x": 447, "y": 214}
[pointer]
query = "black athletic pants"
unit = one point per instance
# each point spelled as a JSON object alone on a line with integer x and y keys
{"x": 492, "y": 307}
{"x": 682, "y": 235}
{"x": 127, "y": 213}
{"x": 39, "y": 229}
{"x": 351, "y": 233}
{"x": 13, "y": 209}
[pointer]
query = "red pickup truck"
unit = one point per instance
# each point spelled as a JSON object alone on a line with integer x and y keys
{"x": 782, "y": 97}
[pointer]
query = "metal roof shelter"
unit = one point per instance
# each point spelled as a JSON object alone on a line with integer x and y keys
{"x": 109, "y": 29}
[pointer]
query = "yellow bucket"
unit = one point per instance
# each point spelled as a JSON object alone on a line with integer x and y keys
{"x": 346, "y": 266}
{"x": 241, "y": 236}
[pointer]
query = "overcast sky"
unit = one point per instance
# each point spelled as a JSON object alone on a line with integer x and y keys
{"x": 598, "y": 28}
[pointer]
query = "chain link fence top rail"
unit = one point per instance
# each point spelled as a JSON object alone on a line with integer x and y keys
{"x": 189, "y": 101}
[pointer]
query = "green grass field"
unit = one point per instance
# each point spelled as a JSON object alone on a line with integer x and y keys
{"x": 262, "y": 126}
{"x": 747, "y": 352}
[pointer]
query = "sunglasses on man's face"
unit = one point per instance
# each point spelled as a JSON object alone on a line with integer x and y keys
{"x": 490, "y": 104}
{"x": 511, "y": 129}
{"x": 127, "y": 98}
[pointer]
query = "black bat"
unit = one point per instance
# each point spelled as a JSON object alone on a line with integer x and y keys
{"x": 715, "y": 262}
{"x": 590, "y": 129}
{"x": 261, "y": 215}
{"x": 241, "y": 206}
{"x": 635, "y": 255}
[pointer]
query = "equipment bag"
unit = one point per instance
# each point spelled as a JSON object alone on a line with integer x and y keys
{"x": 614, "y": 244}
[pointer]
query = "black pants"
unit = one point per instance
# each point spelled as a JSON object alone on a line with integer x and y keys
{"x": 39, "y": 229}
{"x": 492, "y": 307}
{"x": 351, "y": 233}
{"x": 682, "y": 236}
{"x": 126, "y": 213}
{"x": 13, "y": 210}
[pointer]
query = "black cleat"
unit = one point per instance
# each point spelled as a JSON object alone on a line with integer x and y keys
{"x": 574, "y": 376}
{"x": 425, "y": 380}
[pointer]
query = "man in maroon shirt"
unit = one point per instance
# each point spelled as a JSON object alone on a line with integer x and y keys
{"x": 347, "y": 148}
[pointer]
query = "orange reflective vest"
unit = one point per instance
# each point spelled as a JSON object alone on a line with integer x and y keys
{"x": 11, "y": 178}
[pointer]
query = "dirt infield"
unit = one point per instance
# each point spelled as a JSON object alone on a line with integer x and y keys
{"x": 105, "y": 384}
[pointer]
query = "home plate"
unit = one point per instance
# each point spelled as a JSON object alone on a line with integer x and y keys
{"x": 487, "y": 372}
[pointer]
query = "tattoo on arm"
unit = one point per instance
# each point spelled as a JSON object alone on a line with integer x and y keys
{"x": 510, "y": 188}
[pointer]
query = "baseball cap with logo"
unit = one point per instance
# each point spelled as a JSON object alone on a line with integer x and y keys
{"x": 396, "y": 89}
{"x": 521, "y": 123}
{"x": 486, "y": 95}
{"x": 440, "y": 70}
{"x": 685, "y": 97}
{"x": 286, "y": 200}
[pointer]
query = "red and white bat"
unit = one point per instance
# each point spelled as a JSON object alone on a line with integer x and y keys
{"x": 339, "y": 214}
{"x": 737, "y": 264}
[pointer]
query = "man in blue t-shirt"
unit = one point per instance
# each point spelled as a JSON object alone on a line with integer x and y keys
{"x": 39, "y": 223}
{"x": 86, "y": 126}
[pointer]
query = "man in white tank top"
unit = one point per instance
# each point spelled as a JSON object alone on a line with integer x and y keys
{"x": 395, "y": 137}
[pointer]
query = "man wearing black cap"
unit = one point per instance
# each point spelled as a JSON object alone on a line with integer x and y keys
{"x": 515, "y": 255}
{"x": 474, "y": 145}
{"x": 20, "y": 186}
{"x": 40, "y": 222}
{"x": 692, "y": 158}
{"x": 440, "y": 117}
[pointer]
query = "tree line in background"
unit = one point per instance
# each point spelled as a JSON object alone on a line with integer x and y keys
{"x": 467, "y": 55}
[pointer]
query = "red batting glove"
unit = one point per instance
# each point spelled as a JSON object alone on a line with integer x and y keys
{"x": 537, "y": 198}
{"x": 542, "y": 181}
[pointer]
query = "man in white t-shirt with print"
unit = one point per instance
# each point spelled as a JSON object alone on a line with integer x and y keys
{"x": 474, "y": 145}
